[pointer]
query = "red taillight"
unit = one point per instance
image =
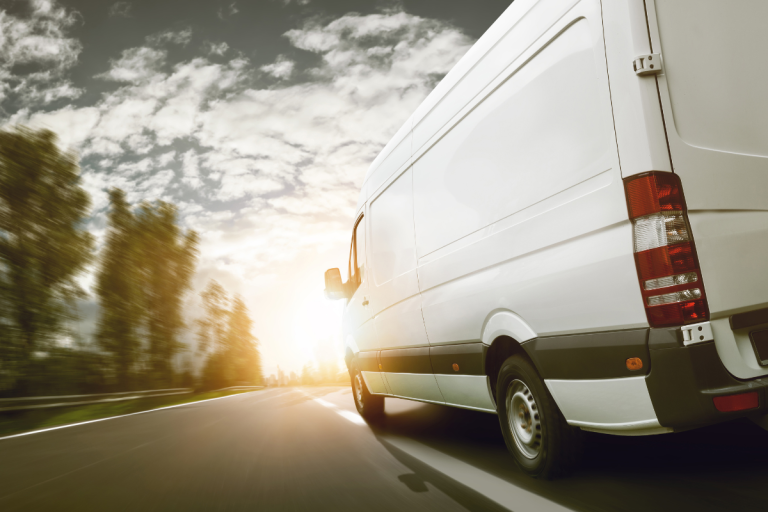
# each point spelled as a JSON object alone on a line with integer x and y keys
{"x": 740, "y": 402}
{"x": 654, "y": 192}
{"x": 665, "y": 254}
{"x": 666, "y": 261}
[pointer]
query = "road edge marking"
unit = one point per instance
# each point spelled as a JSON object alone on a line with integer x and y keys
{"x": 347, "y": 415}
{"x": 58, "y": 427}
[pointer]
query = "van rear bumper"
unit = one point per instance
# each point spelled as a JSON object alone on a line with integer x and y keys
{"x": 684, "y": 380}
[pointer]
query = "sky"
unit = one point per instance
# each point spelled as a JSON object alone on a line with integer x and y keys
{"x": 258, "y": 119}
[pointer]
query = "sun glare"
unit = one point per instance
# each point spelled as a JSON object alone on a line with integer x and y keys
{"x": 317, "y": 325}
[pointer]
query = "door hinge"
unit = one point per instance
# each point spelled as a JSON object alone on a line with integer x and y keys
{"x": 647, "y": 64}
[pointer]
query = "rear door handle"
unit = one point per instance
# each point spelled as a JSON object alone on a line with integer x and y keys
{"x": 365, "y": 301}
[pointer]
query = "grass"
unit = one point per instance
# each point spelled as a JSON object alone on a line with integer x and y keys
{"x": 16, "y": 422}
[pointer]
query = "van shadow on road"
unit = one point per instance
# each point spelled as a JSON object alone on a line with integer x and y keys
{"x": 721, "y": 467}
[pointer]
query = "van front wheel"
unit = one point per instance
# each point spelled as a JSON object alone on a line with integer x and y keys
{"x": 369, "y": 406}
{"x": 542, "y": 443}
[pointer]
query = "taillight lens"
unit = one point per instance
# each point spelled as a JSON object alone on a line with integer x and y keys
{"x": 665, "y": 254}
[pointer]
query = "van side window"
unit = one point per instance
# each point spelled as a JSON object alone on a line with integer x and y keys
{"x": 356, "y": 267}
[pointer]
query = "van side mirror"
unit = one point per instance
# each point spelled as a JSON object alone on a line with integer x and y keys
{"x": 334, "y": 287}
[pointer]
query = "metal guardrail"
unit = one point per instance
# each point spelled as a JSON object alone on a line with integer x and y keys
{"x": 45, "y": 402}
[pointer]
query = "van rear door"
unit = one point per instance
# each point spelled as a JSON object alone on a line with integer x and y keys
{"x": 715, "y": 105}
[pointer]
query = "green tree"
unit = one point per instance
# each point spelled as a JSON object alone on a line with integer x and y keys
{"x": 43, "y": 246}
{"x": 212, "y": 328}
{"x": 245, "y": 357}
{"x": 225, "y": 335}
{"x": 146, "y": 267}
{"x": 168, "y": 258}
{"x": 119, "y": 289}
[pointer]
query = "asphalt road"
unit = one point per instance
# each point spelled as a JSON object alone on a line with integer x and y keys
{"x": 305, "y": 449}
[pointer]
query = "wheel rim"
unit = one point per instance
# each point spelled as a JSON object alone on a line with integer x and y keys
{"x": 524, "y": 419}
{"x": 359, "y": 390}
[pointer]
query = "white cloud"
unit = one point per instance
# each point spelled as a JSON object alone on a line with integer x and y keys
{"x": 139, "y": 143}
{"x": 182, "y": 37}
{"x": 135, "y": 65}
{"x": 191, "y": 170}
{"x": 123, "y": 120}
{"x": 166, "y": 158}
{"x": 282, "y": 68}
{"x": 73, "y": 126}
{"x": 151, "y": 189}
{"x": 236, "y": 184}
{"x": 216, "y": 48}
{"x": 131, "y": 169}
{"x": 40, "y": 42}
{"x": 103, "y": 147}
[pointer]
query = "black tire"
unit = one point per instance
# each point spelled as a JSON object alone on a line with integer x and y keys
{"x": 370, "y": 407}
{"x": 537, "y": 435}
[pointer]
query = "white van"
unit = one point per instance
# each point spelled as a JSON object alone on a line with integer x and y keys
{"x": 572, "y": 230}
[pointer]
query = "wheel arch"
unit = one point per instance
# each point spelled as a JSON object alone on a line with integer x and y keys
{"x": 501, "y": 348}
{"x": 504, "y": 332}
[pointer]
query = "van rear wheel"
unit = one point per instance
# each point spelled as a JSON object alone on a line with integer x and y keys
{"x": 369, "y": 406}
{"x": 535, "y": 432}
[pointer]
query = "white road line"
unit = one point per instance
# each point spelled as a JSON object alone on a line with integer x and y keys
{"x": 500, "y": 491}
{"x": 504, "y": 493}
{"x": 351, "y": 416}
{"x": 347, "y": 415}
{"x": 324, "y": 403}
{"x": 126, "y": 415}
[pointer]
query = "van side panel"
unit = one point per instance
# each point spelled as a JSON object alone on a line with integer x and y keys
{"x": 394, "y": 290}
{"x": 584, "y": 284}
{"x": 521, "y": 206}
{"x": 545, "y": 129}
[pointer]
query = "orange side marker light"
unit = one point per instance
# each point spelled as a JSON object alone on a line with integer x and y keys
{"x": 455, "y": 367}
{"x": 634, "y": 363}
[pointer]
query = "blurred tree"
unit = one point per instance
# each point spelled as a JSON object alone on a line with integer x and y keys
{"x": 146, "y": 267}
{"x": 245, "y": 357}
{"x": 185, "y": 378}
{"x": 225, "y": 334}
{"x": 168, "y": 259}
{"x": 118, "y": 286}
{"x": 43, "y": 246}
{"x": 212, "y": 328}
